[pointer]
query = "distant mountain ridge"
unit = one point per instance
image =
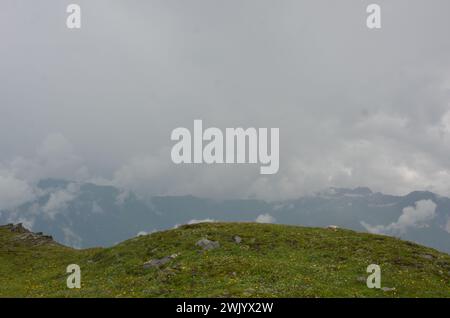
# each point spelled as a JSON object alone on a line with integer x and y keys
{"x": 86, "y": 214}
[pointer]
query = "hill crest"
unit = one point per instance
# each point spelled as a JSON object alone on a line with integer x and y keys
{"x": 247, "y": 260}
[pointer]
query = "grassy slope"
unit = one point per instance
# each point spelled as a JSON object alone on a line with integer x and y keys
{"x": 272, "y": 260}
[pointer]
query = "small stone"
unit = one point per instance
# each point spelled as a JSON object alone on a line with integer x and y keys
{"x": 388, "y": 289}
{"x": 237, "y": 239}
{"x": 361, "y": 279}
{"x": 207, "y": 245}
{"x": 427, "y": 256}
{"x": 333, "y": 227}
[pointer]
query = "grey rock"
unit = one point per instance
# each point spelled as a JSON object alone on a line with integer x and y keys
{"x": 24, "y": 234}
{"x": 427, "y": 256}
{"x": 19, "y": 228}
{"x": 237, "y": 239}
{"x": 159, "y": 262}
{"x": 207, "y": 245}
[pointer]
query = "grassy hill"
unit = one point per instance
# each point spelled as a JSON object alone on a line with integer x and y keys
{"x": 270, "y": 261}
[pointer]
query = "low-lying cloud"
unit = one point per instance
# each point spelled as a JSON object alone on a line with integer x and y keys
{"x": 416, "y": 216}
{"x": 60, "y": 199}
{"x": 14, "y": 191}
{"x": 265, "y": 218}
{"x": 447, "y": 225}
{"x": 354, "y": 107}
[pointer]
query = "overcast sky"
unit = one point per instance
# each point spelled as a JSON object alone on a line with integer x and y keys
{"x": 355, "y": 107}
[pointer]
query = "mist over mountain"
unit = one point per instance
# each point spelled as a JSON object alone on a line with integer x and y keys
{"x": 86, "y": 214}
{"x": 98, "y": 105}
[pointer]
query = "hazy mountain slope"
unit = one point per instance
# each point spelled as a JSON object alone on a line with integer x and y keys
{"x": 86, "y": 215}
{"x": 271, "y": 260}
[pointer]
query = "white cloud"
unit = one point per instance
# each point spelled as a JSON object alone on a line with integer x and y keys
{"x": 389, "y": 131}
{"x": 28, "y": 222}
{"x": 71, "y": 238}
{"x": 122, "y": 197}
{"x": 416, "y": 216}
{"x": 447, "y": 226}
{"x": 14, "y": 191}
{"x": 194, "y": 221}
{"x": 265, "y": 218}
{"x": 54, "y": 158}
{"x": 143, "y": 233}
{"x": 59, "y": 200}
